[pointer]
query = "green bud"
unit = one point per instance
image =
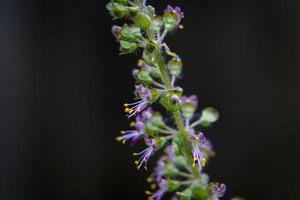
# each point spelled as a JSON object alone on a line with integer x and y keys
{"x": 175, "y": 67}
{"x": 172, "y": 185}
{"x": 143, "y": 76}
{"x": 170, "y": 19}
{"x": 150, "y": 11}
{"x": 117, "y": 10}
{"x": 180, "y": 161}
{"x": 155, "y": 72}
{"x": 157, "y": 23}
{"x": 132, "y": 11}
{"x": 154, "y": 124}
{"x": 130, "y": 33}
{"x": 209, "y": 115}
{"x": 199, "y": 192}
{"x": 127, "y": 47}
{"x": 142, "y": 20}
{"x": 170, "y": 170}
{"x": 148, "y": 57}
{"x": 185, "y": 194}
{"x": 170, "y": 101}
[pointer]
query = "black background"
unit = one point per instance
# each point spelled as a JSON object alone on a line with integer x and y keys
{"x": 63, "y": 86}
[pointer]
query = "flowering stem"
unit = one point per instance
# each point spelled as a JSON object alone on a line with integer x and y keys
{"x": 176, "y": 114}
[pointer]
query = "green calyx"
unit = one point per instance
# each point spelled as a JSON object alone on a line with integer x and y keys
{"x": 143, "y": 76}
{"x": 142, "y": 20}
{"x": 175, "y": 67}
{"x": 120, "y": 9}
{"x": 188, "y": 110}
{"x": 127, "y": 47}
{"x": 170, "y": 19}
{"x": 209, "y": 115}
{"x": 157, "y": 23}
{"x": 117, "y": 10}
{"x": 154, "y": 125}
{"x": 170, "y": 170}
{"x": 130, "y": 33}
{"x": 191, "y": 193}
{"x": 172, "y": 185}
{"x": 171, "y": 101}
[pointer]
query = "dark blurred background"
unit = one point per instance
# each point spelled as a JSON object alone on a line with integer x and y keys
{"x": 63, "y": 85}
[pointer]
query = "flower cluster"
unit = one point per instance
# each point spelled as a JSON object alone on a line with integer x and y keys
{"x": 185, "y": 149}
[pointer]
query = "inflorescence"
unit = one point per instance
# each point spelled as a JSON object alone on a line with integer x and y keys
{"x": 185, "y": 148}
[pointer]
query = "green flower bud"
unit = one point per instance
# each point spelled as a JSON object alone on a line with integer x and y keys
{"x": 172, "y": 185}
{"x": 155, "y": 72}
{"x": 157, "y": 23}
{"x": 117, "y": 10}
{"x": 170, "y": 101}
{"x": 185, "y": 194}
{"x": 142, "y": 20}
{"x": 127, "y": 47}
{"x": 143, "y": 76}
{"x": 180, "y": 161}
{"x": 170, "y": 20}
{"x": 132, "y": 11}
{"x": 148, "y": 57}
{"x": 130, "y": 33}
{"x": 170, "y": 170}
{"x": 175, "y": 67}
{"x": 209, "y": 115}
{"x": 199, "y": 192}
{"x": 155, "y": 124}
{"x": 150, "y": 11}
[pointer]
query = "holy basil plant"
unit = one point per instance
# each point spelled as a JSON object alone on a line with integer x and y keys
{"x": 184, "y": 147}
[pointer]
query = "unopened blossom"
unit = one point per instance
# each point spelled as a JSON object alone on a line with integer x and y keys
{"x": 189, "y": 106}
{"x": 146, "y": 153}
{"x": 217, "y": 191}
{"x": 179, "y": 14}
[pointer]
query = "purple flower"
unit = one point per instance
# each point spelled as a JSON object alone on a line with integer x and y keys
{"x": 193, "y": 99}
{"x": 139, "y": 130}
{"x": 159, "y": 171}
{"x": 196, "y": 142}
{"x": 163, "y": 186}
{"x": 145, "y": 115}
{"x": 144, "y": 96}
{"x": 146, "y": 153}
{"x": 217, "y": 191}
{"x": 179, "y": 14}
